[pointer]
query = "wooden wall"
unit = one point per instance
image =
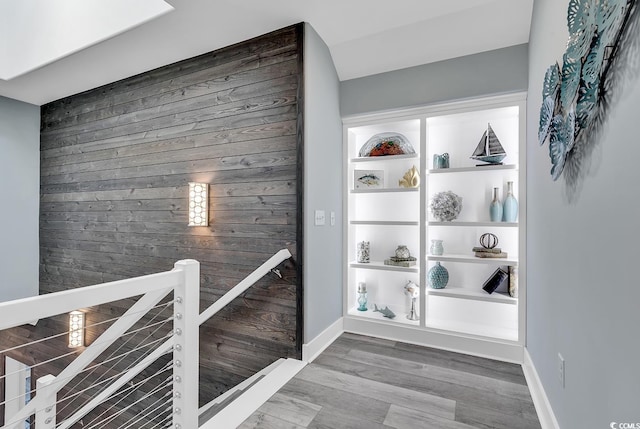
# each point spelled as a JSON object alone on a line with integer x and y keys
{"x": 115, "y": 163}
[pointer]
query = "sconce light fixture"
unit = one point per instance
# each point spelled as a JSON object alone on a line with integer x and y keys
{"x": 198, "y": 204}
{"x": 76, "y": 329}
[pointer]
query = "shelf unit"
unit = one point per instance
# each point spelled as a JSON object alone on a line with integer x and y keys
{"x": 462, "y": 316}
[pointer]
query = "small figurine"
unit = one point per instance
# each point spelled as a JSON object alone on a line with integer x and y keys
{"x": 413, "y": 291}
{"x": 411, "y": 178}
{"x": 386, "y": 312}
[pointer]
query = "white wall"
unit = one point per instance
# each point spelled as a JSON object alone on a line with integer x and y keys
{"x": 322, "y": 188}
{"x": 582, "y": 287}
{"x": 492, "y": 72}
{"x": 20, "y": 196}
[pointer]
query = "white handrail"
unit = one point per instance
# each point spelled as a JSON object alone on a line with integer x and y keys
{"x": 135, "y": 313}
{"x": 25, "y": 310}
{"x": 19, "y": 312}
{"x": 245, "y": 284}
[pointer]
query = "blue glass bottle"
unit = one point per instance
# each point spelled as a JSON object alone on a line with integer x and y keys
{"x": 510, "y": 209}
{"x": 495, "y": 208}
{"x": 362, "y": 296}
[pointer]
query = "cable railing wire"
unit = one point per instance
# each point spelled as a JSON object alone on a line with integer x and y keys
{"x": 113, "y": 357}
{"x": 119, "y": 359}
{"x": 165, "y": 398}
{"x": 165, "y": 306}
{"x": 69, "y": 398}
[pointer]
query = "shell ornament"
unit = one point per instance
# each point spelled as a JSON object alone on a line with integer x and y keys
{"x": 411, "y": 178}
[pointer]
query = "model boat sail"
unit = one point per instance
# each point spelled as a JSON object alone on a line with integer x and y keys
{"x": 489, "y": 149}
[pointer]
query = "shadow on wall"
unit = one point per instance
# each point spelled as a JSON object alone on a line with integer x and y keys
{"x": 601, "y": 61}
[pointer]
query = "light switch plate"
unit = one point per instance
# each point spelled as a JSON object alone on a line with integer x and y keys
{"x": 320, "y": 217}
{"x": 333, "y": 218}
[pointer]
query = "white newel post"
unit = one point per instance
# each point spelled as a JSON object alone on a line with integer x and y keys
{"x": 46, "y": 417}
{"x": 186, "y": 350}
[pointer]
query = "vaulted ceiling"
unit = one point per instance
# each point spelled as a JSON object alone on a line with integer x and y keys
{"x": 365, "y": 37}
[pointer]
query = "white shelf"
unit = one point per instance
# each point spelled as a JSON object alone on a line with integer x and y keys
{"x": 475, "y": 224}
{"x": 473, "y": 169}
{"x": 373, "y": 265}
{"x": 383, "y": 190}
{"x": 385, "y": 158}
{"x": 384, "y": 223}
{"x": 472, "y": 259}
{"x": 472, "y": 294}
{"x": 462, "y": 312}
{"x": 401, "y": 316}
{"x": 491, "y": 332}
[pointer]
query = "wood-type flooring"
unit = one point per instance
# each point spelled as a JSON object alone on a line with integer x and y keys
{"x": 363, "y": 382}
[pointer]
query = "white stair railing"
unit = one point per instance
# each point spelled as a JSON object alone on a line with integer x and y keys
{"x": 182, "y": 341}
{"x": 183, "y": 281}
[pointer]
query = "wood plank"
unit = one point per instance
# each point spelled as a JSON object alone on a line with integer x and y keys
{"x": 231, "y": 86}
{"x": 369, "y": 410}
{"x": 266, "y": 421}
{"x": 290, "y": 409}
{"x": 472, "y": 395}
{"x": 275, "y": 43}
{"x": 234, "y": 162}
{"x": 491, "y": 385}
{"x": 223, "y": 179}
{"x": 172, "y": 144}
{"x": 464, "y": 363}
{"x": 378, "y": 390}
{"x": 283, "y": 81}
{"x": 401, "y": 418}
{"x": 214, "y": 130}
{"x": 188, "y": 118}
{"x": 272, "y": 144}
{"x": 488, "y": 418}
{"x": 355, "y": 389}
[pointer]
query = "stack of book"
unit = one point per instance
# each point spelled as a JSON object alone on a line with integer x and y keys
{"x": 482, "y": 252}
{"x": 400, "y": 262}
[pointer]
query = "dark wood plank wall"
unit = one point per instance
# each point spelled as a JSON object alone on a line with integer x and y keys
{"x": 115, "y": 163}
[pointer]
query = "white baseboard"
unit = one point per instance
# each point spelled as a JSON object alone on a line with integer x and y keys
{"x": 540, "y": 400}
{"x": 313, "y": 348}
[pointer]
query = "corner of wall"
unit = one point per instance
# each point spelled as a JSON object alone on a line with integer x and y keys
{"x": 540, "y": 400}
{"x": 20, "y": 194}
{"x": 322, "y": 187}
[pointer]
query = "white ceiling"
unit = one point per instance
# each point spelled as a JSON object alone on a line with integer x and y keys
{"x": 365, "y": 37}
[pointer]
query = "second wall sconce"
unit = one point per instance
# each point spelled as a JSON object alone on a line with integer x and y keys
{"x": 198, "y": 204}
{"x": 76, "y": 329}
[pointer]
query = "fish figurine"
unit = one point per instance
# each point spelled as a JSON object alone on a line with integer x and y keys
{"x": 385, "y": 311}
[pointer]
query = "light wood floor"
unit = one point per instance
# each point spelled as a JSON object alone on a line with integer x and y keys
{"x": 363, "y": 382}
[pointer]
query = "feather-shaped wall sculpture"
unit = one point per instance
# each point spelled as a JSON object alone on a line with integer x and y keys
{"x": 576, "y": 97}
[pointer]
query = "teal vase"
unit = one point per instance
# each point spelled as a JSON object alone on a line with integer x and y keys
{"x": 510, "y": 208}
{"x": 438, "y": 276}
{"x": 495, "y": 208}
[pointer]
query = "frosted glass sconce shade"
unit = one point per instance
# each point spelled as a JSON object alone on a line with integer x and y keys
{"x": 76, "y": 329}
{"x": 198, "y": 204}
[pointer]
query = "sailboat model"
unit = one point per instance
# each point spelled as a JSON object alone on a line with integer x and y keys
{"x": 489, "y": 148}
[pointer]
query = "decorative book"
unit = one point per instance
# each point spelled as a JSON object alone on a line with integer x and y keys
{"x": 497, "y": 280}
{"x": 400, "y": 262}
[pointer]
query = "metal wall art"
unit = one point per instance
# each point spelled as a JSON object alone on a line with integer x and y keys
{"x": 578, "y": 95}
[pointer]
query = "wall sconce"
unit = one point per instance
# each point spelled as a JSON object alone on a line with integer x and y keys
{"x": 198, "y": 204}
{"x": 76, "y": 329}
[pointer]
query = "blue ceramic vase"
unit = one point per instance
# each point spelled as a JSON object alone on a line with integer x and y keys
{"x": 495, "y": 208}
{"x": 438, "y": 276}
{"x": 510, "y": 208}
